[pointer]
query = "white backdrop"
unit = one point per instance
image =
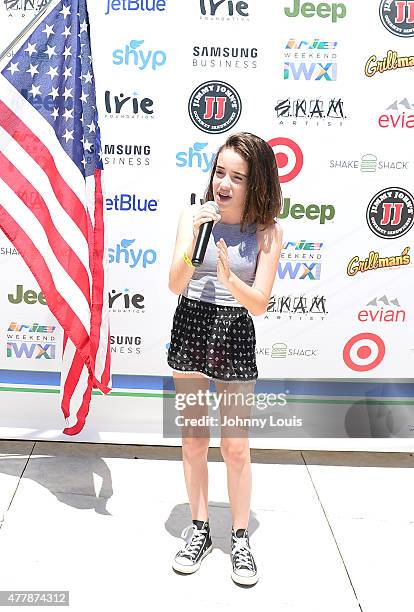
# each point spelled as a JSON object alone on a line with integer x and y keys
{"x": 323, "y": 323}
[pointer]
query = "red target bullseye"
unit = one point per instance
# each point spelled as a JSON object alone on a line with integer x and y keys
{"x": 289, "y": 158}
{"x": 364, "y": 352}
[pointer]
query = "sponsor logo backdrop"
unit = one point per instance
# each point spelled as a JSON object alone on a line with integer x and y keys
{"x": 329, "y": 86}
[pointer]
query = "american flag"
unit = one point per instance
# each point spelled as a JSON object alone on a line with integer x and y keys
{"x": 51, "y": 204}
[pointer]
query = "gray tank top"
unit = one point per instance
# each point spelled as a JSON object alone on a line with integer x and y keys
{"x": 243, "y": 250}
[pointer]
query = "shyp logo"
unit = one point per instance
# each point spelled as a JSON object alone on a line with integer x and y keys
{"x": 134, "y": 53}
{"x": 195, "y": 157}
{"x": 122, "y": 253}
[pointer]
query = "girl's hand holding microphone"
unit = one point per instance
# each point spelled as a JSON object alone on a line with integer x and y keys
{"x": 205, "y": 214}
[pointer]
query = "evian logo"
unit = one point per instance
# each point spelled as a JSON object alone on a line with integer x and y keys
{"x": 382, "y": 310}
{"x": 399, "y": 114}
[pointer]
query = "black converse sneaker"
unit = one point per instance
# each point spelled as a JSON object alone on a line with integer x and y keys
{"x": 189, "y": 558}
{"x": 244, "y": 567}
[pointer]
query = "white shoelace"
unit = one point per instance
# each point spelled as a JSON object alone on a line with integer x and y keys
{"x": 242, "y": 554}
{"x": 192, "y": 546}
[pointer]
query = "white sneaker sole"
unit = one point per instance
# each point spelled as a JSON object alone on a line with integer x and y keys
{"x": 190, "y": 569}
{"x": 245, "y": 580}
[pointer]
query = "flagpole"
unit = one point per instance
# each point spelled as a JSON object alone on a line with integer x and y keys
{"x": 25, "y": 30}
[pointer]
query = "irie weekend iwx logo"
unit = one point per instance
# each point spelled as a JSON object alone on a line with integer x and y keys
{"x": 310, "y": 60}
{"x": 31, "y": 341}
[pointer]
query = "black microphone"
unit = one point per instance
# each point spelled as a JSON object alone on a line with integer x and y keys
{"x": 204, "y": 232}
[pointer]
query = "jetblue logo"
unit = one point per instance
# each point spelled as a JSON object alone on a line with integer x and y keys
{"x": 137, "y": 54}
{"x": 130, "y": 202}
{"x": 141, "y": 6}
{"x": 124, "y": 252}
{"x": 195, "y": 157}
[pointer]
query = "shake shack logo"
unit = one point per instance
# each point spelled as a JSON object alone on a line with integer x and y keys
{"x": 392, "y": 61}
{"x": 310, "y": 111}
{"x": 374, "y": 262}
{"x": 390, "y": 213}
{"x": 214, "y": 107}
{"x": 228, "y": 58}
{"x": 398, "y": 17}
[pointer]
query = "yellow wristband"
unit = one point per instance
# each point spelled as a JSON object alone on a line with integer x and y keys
{"x": 188, "y": 260}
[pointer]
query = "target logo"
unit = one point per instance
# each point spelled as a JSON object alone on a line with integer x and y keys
{"x": 364, "y": 352}
{"x": 289, "y": 158}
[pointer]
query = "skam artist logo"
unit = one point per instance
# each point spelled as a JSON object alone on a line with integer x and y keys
{"x": 121, "y": 253}
{"x": 139, "y": 57}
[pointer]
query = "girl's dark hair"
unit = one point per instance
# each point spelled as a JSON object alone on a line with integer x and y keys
{"x": 264, "y": 196}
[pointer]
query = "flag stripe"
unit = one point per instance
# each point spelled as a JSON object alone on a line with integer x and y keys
{"x": 72, "y": 366}
{"x": 98, "y": 296}
{"x": 61, "y": 309}
{"x": 65, "y": 224}
{"x": 13, "y": 107}
{"x": 22, "y": 134}
{"x": 66, "y": 287}
{"x": 67, "y": 258}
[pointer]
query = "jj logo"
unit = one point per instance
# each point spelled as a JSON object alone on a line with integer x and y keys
{"x": 404, "y": 11}
{"x": 391, "y": 213}
{"x": 211, "y": 102}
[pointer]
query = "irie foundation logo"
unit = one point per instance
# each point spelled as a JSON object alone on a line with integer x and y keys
{"x": 392, "y": 61}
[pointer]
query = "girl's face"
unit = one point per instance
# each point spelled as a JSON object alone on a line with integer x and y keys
{"x": 230, "y": 182}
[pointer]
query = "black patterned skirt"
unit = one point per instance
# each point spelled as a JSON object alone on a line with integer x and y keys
{"x": 214, "y": 340}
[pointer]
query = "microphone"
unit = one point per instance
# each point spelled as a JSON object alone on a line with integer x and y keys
{"x": 203, "y": 237}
